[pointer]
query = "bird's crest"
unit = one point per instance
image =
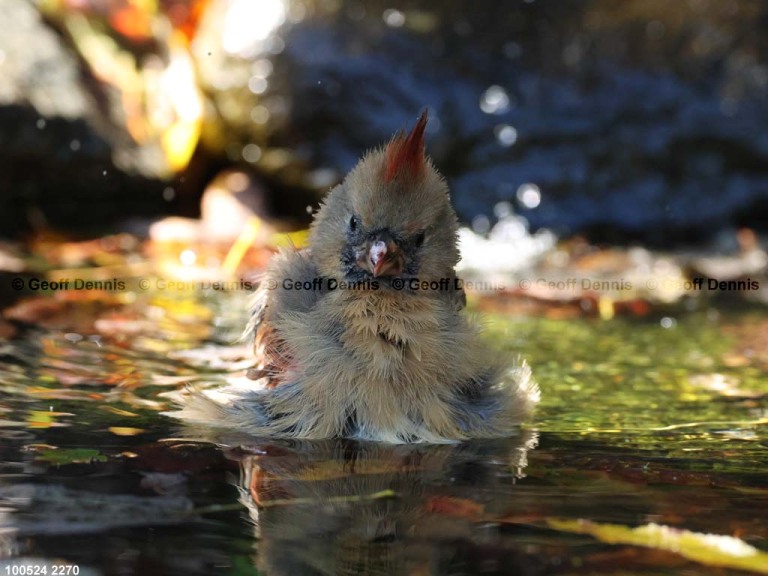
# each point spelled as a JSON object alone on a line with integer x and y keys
{"x": 405, "y": 154}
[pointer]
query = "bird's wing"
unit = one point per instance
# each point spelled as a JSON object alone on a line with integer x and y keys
{"x": 273, "y": 299}
{"x": 271, "y": 353}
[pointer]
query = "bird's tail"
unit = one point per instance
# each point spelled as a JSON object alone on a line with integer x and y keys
{"x": 238, "y": 406}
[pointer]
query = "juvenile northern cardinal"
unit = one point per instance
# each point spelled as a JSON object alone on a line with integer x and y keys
{"x": 363, "y": 335}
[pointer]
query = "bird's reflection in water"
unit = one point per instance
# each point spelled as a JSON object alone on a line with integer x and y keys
{"x": 344, "y": 507}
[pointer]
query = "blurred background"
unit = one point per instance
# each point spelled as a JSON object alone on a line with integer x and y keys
{"x": 640, "y": 121}
{"x": 609, "y": 164}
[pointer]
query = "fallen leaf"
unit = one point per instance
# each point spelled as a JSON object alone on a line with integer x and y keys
{"x": 44, "y": 419}
{"x": 455, "y": 507}
{"x": 63, "y": 394}
{"x": 125, "y": 431}
{"x": 118, "y": 411}
{"x": 708, "y": 549}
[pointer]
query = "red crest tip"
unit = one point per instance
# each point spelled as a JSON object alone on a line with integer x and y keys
{"x": 406, "y": 154}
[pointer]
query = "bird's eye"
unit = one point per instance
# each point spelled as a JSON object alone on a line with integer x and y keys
{"x": 354, "y": 223}
{"x": 419, "y": 239}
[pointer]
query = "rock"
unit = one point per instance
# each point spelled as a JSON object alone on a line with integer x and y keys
{"x": 68, "y": 156}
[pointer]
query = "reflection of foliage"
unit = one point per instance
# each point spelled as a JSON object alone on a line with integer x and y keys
{"x": 634, "y": 376}
{"x": 71, "y": 456}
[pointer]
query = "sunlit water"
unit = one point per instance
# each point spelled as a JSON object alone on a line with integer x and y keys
{"x": 654, "y": 420}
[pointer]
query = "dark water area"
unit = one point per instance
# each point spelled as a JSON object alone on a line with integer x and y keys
{"x": 652, "y": 421}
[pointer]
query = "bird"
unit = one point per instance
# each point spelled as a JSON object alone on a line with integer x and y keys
{"x": 364, "y": 334}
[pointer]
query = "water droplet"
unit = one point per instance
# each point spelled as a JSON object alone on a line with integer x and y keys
{"x": 297, "y": 13}
{"x": 74, "y": 145}
{"x": 262, "y": 68}
{"x": 668, "y": 322}
{"x": 502, "y": 210}
{"x": 322, "y": 178}
{"x": 188, "y": 257}
{"x": 251, "y": 153}
{"x": 277, "y": 106}
{"x": 510, "y": 229}
{"x": 529, "y": 195}
{"x": 505, "y": 134}
{"x": 40, "y": 123}
{"x": 260, "y": 114}
{"x": 393, "y": 17}
{"x": 481, "y": 224}
{"x": 276, "y": 45}
{"x": 169, "y": 194}
{"x": 494, "y": 100}
{"x": 257, "y": 85}
{"x": 237, "y": 182}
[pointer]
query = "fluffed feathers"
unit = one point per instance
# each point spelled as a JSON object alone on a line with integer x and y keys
{"x": 373, "y": 343}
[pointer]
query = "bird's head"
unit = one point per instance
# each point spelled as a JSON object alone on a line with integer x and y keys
{"x": 390, "y": 217}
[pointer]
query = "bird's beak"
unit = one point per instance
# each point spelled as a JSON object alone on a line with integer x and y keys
{"x": 384, "y": 258}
